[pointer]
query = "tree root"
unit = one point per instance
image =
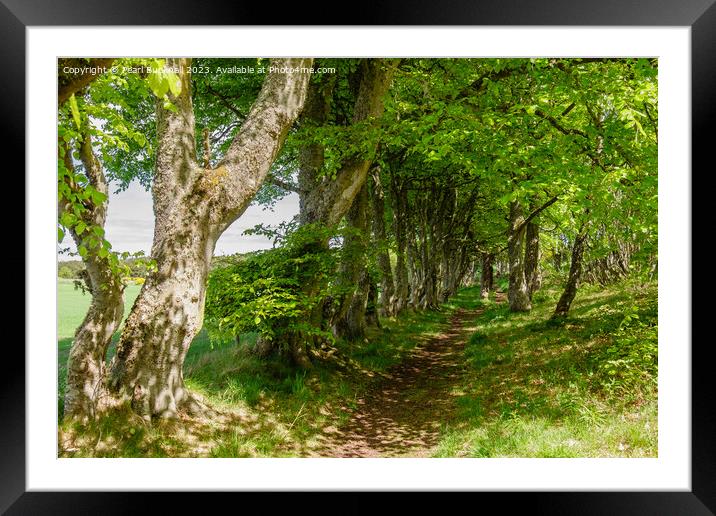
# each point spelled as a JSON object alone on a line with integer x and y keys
{"x": 195, "y": 406}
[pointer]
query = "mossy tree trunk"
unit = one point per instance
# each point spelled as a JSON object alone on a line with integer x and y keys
{"x": 575, "y": 272}
{"x": 326, "y": 202}
{"x": 193, "y": 206}
{"x": 350, "y": 320}
{"x": 517, "y": 293}
{"x": 532, "y": 256}
{"x": 387, "y": 286}
{"x": 85, "y": 393}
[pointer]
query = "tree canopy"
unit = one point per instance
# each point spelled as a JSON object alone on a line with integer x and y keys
{"x": 416, "y": 176}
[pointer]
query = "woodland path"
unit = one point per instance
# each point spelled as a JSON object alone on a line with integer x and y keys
{"x": 402, "y": 414}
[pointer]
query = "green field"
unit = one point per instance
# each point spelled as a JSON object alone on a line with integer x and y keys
{"x": 72, "y": 305}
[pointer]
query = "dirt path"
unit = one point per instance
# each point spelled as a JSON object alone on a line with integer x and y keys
{"x": 402, "y": 414}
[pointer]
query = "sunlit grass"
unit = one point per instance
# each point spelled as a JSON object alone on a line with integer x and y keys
{"x": 538, "y": 389}
{"x": 532, "y": 388}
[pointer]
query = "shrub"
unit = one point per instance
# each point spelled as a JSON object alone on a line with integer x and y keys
{"x": 273, "y": 292}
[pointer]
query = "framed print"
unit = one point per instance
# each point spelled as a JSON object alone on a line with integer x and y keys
{"x": 445, "y": 52}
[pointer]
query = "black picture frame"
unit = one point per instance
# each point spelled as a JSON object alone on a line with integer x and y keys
{"x": 700, "y": 15}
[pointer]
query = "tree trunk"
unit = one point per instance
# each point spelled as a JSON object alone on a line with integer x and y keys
{"x": 387, "y": 287}
{"x": 329, "y": 201}
{"x": 311, "y": 156}
{"x": 557, "y": 256}
{"x": 353, "y": 324}
{"x": 192, "y": 207}
{"x": 575, "y": 271}
{"x": 165, "y": 319}
{"x": 85, "y": 393}
{"x": 326, "y": 202}
{"x": 487, "y": 275}
{"x": 532, "y": 256}
{"x": 371, "y": 309}
{"x": 517, "y": 293}
{"x": 401, "y": 245}
{"x": 416, "y": 274}
{"x": 350, "y": 321}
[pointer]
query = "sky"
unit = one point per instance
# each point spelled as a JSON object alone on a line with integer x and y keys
{"x": 130, "y": 224}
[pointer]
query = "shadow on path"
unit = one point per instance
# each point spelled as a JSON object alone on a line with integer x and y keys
{"x": 402, "y": 414}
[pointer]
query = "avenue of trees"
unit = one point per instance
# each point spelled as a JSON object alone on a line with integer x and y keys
{"x": 415, "y": 177}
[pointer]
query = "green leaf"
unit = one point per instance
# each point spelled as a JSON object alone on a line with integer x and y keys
{"x": 169, "y": 106}
{"x": 80, "y": 228}
{"x": 140, "y": 139}
{"x": 174, "y": 83}
{"x": 97, "y": 197}
{"x": 60, "y": 234}
{"x": 157, "y": 84}
{"x": 75, "y": 111}
{"x": 68, "y": 219}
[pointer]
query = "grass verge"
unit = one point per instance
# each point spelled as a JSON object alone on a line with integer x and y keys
{"x": 582, "y": 387}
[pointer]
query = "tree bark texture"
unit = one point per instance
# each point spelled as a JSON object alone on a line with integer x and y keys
{"x": 85, "y": 393}
{"x": 575, "y": 271}
{"x": 532, "y": 256}
{"x": 192, "y": 208}
{"x": 387, "y": 286}
{"x": 350, "y": 321}
{"x": 517, "y": 293}
{"x": 311, "y": 156}
{"x": 487, "y": 275}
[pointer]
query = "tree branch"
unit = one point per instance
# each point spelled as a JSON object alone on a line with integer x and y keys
{"x": 246, "y": 164}
{"x": 93, "y": 168}
{"x": 536, "y": 212}
{"x": 571, "y": 131}
{"x": 176, "y": 167}
{"x": 479, "y": 85}
{"x": 333, "y": 198}
{"x": 569, "y": 108}
{"x": 285, "y": 185}
{"x": 70, "y": 84}
{"x": 225, "y": 101}
{"x": 554, "y": 123}
{"x": 651, "y": 119}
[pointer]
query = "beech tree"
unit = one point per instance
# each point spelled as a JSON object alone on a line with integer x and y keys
{"x": 83, "y": 188}
{"x": 418, "y": 175}
{"x": 326, "y": 199}
{"x": 193, "y": 206}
